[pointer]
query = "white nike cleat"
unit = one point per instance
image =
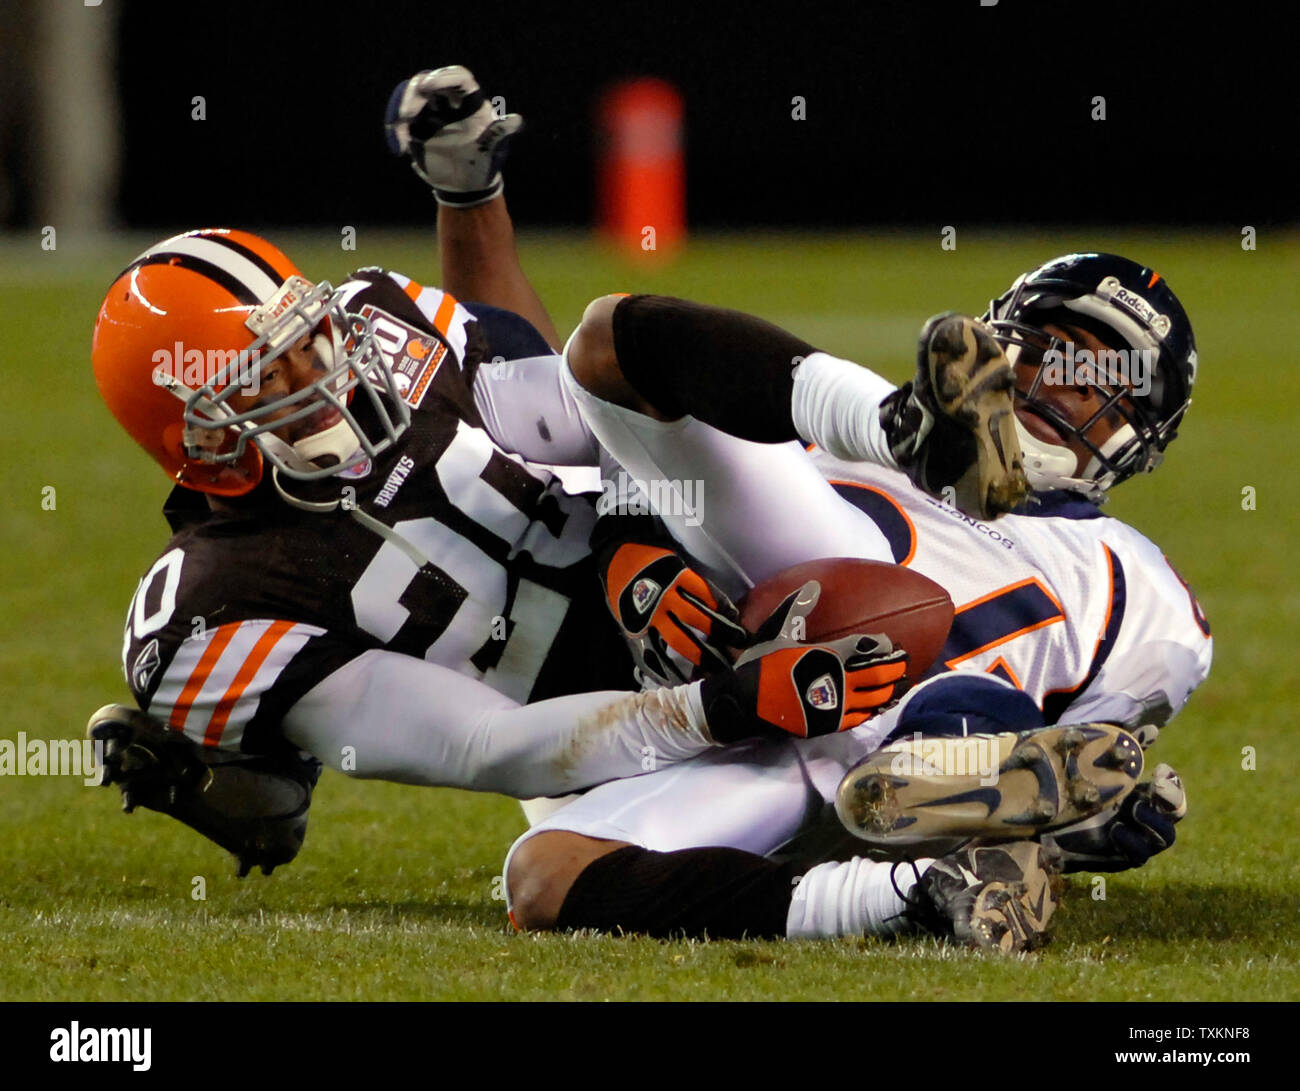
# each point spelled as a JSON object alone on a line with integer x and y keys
{"x": 939, "y": 791}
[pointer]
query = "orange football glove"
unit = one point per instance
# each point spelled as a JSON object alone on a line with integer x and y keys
{"x": 780, "y": 687}
{"x": 675, "y": 621}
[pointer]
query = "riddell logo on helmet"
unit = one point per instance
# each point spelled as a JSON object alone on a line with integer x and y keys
{"x": 216, "y": 368}
{"x": 1111, "y": 289}
{"x": 291, "y": 294}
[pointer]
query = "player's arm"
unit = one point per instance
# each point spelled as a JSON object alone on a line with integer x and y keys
{"x": 441, "y": 121}
{"x": 480, "y": 263}
{"x": 399, "y": 718}
{"x": 1154, "y": 646}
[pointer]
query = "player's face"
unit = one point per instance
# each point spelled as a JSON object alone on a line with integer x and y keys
{"x": 288, "y": 373}
{"x": 1076, "y": 401}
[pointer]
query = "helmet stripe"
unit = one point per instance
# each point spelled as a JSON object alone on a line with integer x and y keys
{"x": 235, "y": 265}
{"x": 233, "y": 285}
{"x": 252, "y": 255}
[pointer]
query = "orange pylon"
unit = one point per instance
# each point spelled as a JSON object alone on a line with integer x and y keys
{"x": 642, "y": 174}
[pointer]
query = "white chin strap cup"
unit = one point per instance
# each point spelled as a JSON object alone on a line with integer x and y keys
{"x": 1046, "y": 464}
{"x": 1051, "y": 466}
{"x": 338, "y": 440}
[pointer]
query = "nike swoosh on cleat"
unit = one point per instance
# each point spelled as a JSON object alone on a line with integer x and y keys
{"x": 990, "y": 797}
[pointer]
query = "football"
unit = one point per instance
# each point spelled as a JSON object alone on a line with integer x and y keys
{"x": 860, "y": 596}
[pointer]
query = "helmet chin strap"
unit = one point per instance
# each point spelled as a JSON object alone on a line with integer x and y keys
{"x": 1051, "y": 466}
{"x": 338, "y": 440}
{"x": 416, "y": 555}
{"x": 1048, "y": 465}
{"x": 1093, "y": 471}
{"x": 297, "y": 501}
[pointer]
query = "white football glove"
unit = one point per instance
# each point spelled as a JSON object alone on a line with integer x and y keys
{"x": 441, "y": 121}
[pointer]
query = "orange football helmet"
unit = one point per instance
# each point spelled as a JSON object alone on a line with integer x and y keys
{"x": 195, "y": 320}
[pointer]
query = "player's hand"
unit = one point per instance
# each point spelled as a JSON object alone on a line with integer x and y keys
{"x": 1128, "y": 837}
{"x": 676, "y": 622}
{"x": 441, "y": 121}
{"x": 781, "y": 687}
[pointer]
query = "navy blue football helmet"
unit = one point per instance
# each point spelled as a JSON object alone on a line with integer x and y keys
{"x": 1129, "y": 308}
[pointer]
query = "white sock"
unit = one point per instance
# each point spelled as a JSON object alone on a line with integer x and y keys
{"x": 851, "y": 899}
{"x": 836, "y": 405}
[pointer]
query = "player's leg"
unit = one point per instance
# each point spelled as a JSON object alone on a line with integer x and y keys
{"x": 952, "y": 426}
{"x": 685, "y": 851}
{"x": 688, "y": 847}
{"x": 996, "y": 897}
{"x": 393, "y": 717}
{"x": 743, "y": 510}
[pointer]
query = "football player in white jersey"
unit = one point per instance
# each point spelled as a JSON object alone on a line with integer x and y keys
{"x": 1064, "y": 616}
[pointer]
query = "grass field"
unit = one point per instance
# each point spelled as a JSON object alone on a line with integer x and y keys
{"x": 393, "y": 896}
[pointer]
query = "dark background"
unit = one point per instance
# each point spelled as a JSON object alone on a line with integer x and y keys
{"x": 918, "y": 113}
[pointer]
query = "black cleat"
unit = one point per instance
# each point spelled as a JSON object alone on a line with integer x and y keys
{"x": 993, "y": 897}
{"x": 252, "y": 805}
{"x": 973, "y": 384}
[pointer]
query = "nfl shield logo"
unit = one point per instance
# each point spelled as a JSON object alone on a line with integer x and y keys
{"x": 643, "y": 594}
{"x": 821, "y": 694}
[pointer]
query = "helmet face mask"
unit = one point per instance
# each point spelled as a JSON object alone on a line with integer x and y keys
{"x": 1141, "y": 378}
{"x": 353, "y": 363}
{"x": 199, "y": 345}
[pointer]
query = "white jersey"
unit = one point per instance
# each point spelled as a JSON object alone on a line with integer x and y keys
{"x": 1077, "y": 609}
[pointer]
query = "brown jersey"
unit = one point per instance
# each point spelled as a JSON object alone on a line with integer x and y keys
{"x": 485, "y": 566}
